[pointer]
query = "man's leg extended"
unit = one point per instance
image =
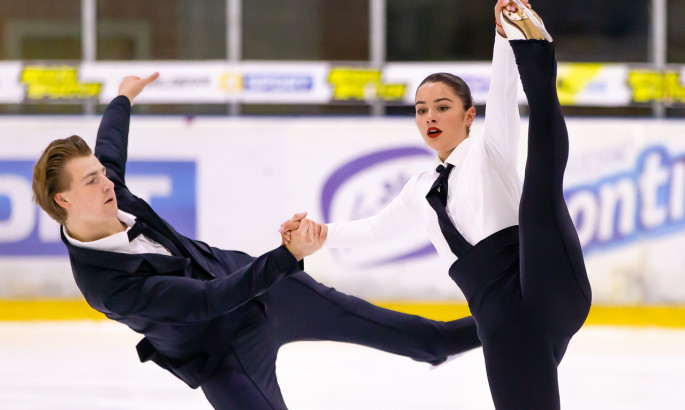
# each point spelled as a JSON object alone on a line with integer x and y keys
{"x": 300, "y": 308}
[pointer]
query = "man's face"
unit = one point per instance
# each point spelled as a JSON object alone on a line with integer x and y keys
{"x": 90, "y": 196}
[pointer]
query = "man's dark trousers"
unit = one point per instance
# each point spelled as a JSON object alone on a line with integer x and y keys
{"x": 298, "y": 308}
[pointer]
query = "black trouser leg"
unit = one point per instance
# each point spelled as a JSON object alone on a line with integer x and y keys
{"x": 554, "y": 281}
{"x": 300, "y": 308}
{"x": 239, "y": 383}
{"x": 522, "y": 370}
{"x": 246, "y": 377}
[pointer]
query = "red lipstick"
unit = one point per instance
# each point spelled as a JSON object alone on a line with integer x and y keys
{"x": 434, "y": 132}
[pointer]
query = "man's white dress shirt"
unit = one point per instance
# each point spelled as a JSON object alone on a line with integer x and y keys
{"x": 119, "y": 241}
{"x": 484, "y": 187}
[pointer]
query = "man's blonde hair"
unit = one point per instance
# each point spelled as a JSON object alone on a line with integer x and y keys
{"x": 49, "y": 177}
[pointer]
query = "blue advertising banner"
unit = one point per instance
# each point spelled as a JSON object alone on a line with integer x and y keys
{"x": 646, "y": 201}
{"x": 25, "y": 230}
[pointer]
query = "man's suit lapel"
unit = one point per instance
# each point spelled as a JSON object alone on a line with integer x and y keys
{"x": 142, "y": 210}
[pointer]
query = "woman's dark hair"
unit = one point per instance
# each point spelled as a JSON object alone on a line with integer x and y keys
{"x": 459, "y": 86}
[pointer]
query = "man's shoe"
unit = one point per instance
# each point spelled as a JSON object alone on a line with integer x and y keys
{"x": 524, "y": 24}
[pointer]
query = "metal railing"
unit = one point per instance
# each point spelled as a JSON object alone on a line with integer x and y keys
{"x": 377, "y": 42}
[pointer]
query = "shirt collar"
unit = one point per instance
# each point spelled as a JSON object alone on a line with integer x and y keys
{"x": 109, "y": 243}
{"x": 457, "y": 156}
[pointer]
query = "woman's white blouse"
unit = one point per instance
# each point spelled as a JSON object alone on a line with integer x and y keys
{"x": 484, "y": 187}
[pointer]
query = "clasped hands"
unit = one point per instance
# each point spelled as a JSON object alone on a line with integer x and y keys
{"x": 301, "y": 236}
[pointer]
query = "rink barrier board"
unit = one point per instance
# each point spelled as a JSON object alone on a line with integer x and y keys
{"x": 625, "y": 190}
{"x": 661, "y": 316}
{"x": 319, "y": 82}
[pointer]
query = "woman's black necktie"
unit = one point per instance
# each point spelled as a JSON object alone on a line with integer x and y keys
{"x": 141, "y": 228}
{"x": 437, "y": 198}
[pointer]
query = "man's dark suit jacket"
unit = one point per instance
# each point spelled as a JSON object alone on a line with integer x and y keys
{"x": 189, "y": 306}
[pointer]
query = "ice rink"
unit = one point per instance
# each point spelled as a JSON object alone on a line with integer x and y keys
{"x": 93, "y": 365}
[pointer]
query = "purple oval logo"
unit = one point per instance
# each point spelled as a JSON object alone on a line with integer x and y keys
{"x": 363, "y": 187}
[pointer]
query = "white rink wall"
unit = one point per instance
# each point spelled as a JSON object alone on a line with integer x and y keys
{"x": 231, "y": 182}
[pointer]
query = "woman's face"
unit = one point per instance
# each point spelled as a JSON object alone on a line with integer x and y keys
{"x": 441, "y": 118}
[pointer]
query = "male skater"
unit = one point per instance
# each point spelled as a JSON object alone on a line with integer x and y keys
{"x": 214, "y": 318}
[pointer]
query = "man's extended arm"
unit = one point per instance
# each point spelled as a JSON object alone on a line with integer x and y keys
{"x": 174, "y": 299}
{"x": 183, "y": 300}
{"x": 112, "y": 140}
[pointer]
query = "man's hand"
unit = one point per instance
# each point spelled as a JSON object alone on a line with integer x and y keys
{"x": 290, "y": 225}
{"x": 505, "y": 5}
{"x": 306, "y": 239}
{"x": 131, "y": 86}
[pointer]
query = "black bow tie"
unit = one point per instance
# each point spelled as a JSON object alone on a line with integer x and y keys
{"x": 141, "y": 228}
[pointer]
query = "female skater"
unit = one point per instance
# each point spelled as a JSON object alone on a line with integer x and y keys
{"x": 513, "y": 252}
